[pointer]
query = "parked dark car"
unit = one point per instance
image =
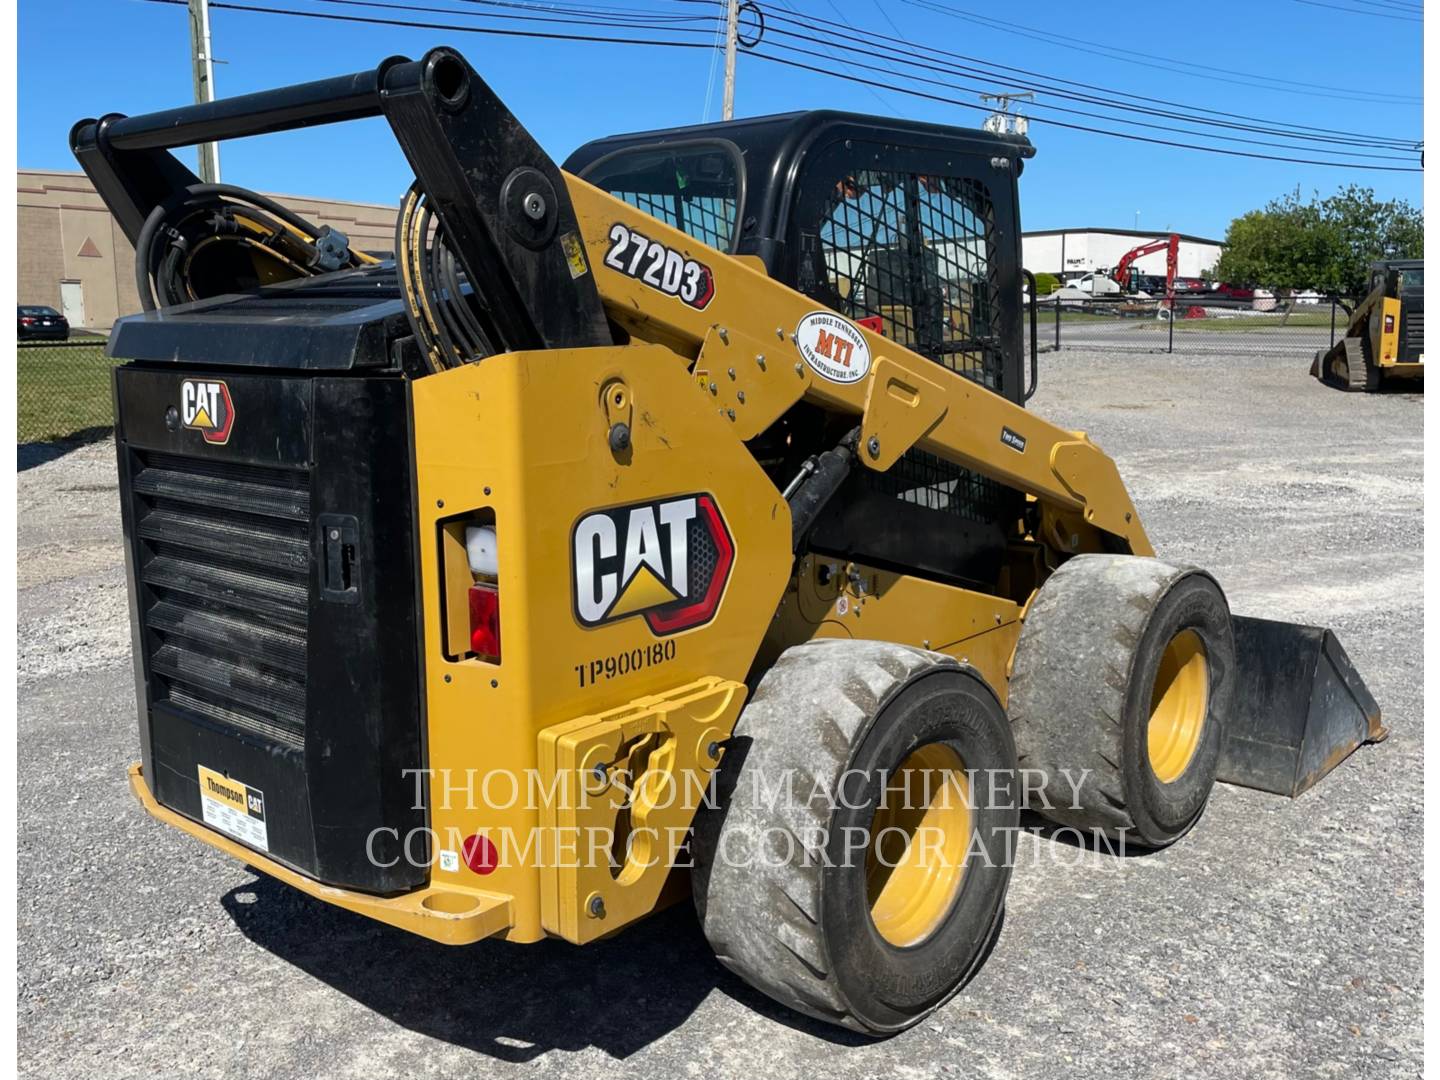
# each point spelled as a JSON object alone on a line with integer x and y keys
{"x": 39, "y": 323}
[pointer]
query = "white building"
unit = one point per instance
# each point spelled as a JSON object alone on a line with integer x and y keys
{"x": 1069, "y": 253}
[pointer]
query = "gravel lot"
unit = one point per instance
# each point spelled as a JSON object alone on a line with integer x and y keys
{"x": 1279, "y": 939}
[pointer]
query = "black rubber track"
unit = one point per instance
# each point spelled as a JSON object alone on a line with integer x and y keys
{"x": 1361, "y": 372}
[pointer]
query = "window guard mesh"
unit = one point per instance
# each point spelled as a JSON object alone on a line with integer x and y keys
{"x": 914, "y": 257}
{"x": 708, "y": 218}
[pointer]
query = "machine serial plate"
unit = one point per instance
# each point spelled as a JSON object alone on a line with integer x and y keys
{"x": 234, "y": 808}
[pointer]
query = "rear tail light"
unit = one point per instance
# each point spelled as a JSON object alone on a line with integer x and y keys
{"x": 480, "y": 854}
{"x": 485, "y": 621}
{"x": 470, "y": 584}
{"x": 27, "y": 321}
{"x": 481, "y": 552}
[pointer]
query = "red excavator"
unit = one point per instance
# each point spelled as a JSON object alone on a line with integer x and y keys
{"x": 1171, "y": 246}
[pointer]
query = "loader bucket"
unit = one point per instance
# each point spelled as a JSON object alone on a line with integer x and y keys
{"x": 1300, "y": 707}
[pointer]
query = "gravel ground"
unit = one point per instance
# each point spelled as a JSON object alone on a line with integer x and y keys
{"x": 1279, "y": 939}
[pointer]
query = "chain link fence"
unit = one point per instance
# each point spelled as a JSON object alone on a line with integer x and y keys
{"x": 1260, "y": 327}
{"x": 63, "y": 389}
{"x": 64, "y": 386}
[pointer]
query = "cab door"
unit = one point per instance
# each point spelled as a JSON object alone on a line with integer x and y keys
{"x": 921, "y": 241}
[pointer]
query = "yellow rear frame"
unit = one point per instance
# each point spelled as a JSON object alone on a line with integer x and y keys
{"x": 523, "y": 439}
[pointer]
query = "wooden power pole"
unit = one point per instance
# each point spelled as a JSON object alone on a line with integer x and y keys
{"x": 732, "y": 33}
{"x": 203, "y": 68}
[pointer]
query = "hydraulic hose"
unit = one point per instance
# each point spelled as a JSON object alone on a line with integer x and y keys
{"x": 194, "y": 198}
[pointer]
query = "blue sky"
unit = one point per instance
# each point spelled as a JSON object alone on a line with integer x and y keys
{"x": 82, "y": 58}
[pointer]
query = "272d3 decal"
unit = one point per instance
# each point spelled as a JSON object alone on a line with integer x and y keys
{"x": 665, "y": 561}
{"x": 660, "y": 267}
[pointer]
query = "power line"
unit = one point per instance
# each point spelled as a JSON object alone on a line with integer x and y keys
{"x": 470, "y": 29}
{"x": 1392, "y": 4}
{"x": 1360, "y": 11}
{"x": 1073, "y": 112}
{"x": 846, "y": 23}
{"x": 714, "y": 62}
{"x": 564, "y": 17}
{"x": 1007, "y": 75}
{"x": 1080, "y": 127}
{"x": 586, "y": 10}
{"x": 828, "y": 72}
{"x": 1275, "y": 127}
{"x": 886, "y": 16}
{"x": 1170, "y": 63}
{"x": 1008, "y": 78}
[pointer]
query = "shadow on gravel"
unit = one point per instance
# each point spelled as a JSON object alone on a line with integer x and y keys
{"x": 511, "y": 1002}
{"x": 40, "y": 453}
{"x": 1032, "y": 822}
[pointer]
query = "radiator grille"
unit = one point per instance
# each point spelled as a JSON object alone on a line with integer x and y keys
{"x": 224, "y": 560}
{"x": 1414, "y": 344}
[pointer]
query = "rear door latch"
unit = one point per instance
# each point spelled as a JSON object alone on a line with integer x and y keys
{"x": 340, "y": 552}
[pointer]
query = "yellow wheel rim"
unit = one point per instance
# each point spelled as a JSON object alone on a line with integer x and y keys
{"x": 918, "y": 841}
{"x": 1177, "y": 706}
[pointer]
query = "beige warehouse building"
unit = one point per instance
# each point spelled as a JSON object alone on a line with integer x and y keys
{"x": 74, "y": 257}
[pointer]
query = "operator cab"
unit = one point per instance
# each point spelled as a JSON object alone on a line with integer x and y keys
{"x": 908, "y": 228}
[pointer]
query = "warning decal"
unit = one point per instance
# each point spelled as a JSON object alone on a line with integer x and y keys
{"x": 234, "y": 808}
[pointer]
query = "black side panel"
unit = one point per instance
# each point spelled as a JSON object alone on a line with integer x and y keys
{"x": 267, "y": 653}
{"x": 1412, "y": 323}
{"x": 363, "y": 678}
{"x": 911, "y": 532}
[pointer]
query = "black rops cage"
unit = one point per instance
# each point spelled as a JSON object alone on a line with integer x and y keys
{"x": 910, "y": 229}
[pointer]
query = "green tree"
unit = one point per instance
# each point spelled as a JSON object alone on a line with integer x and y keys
{"x": 1326, "y": 244}
{"x": 1369, "y": 230}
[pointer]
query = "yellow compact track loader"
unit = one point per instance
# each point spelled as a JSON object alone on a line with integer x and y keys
{"x": 1385, "y": 337}
{"x": 669, "y": 522}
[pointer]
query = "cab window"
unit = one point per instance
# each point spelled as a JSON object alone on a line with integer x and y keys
{"x": 694, "y": 187}
{"x": 911, "y": 254}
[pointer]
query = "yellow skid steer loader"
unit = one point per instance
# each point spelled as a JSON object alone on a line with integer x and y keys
{"x": 1384, "y": 339}
{"x": 669, "y": 522}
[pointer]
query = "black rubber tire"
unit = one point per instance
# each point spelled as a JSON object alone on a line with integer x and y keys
{"x": 1080, "y": 688}
{"x": 785, "y": 909}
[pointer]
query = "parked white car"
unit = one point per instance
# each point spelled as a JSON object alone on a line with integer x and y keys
{"x": 1095, "y": 285}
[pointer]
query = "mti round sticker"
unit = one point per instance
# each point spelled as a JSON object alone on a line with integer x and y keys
{"x": 834, "y": 348}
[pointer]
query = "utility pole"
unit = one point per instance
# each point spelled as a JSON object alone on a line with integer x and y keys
{"x": 1002, "y": 121}
{"x": 203, "y": 67}
{"x": 732, "y": 34}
